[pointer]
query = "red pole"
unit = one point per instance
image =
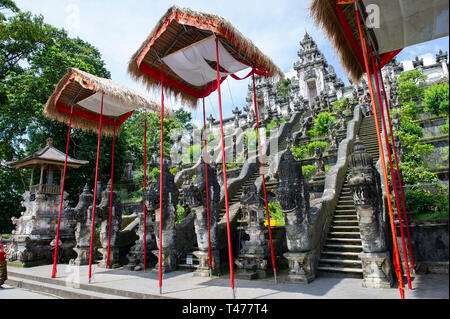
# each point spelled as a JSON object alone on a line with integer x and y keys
{"x": 391, "y": 166}
{"x": 161, "y": 181}
{"x": 380, "y": 146}
{"x": 224, "y": 167}
{"x": 111, "y": 199}
{"x": 274, "y": 267}
{"x": 55, "y": 257}
{"x": 95, "y": 189}
{"x": 398, "y": 174}
{"x": 207, "y": 190}
{"x": 145, "y": 188}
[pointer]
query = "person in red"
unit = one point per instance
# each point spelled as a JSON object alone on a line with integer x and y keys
{"x": 3, "y": 270}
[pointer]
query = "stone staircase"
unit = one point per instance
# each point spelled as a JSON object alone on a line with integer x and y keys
{"x": 340, "y": 255}
{"x": 343, "y": 244}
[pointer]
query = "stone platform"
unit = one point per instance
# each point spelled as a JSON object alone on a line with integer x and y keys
{"x": 72, "y": 283}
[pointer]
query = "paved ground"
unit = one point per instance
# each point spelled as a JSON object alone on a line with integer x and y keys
{"x": 184, "y": 285}
{"x": 8, "y": 292}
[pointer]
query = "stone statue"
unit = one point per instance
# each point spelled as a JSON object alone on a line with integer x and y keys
{"x": 365, "y": 185}
{"x": 116, "y": 224}
{"x": 237, "y": 113}
{"x": 83, "y": 215}
{"x": 319, "y": 161}
{"x": 195, "y": 196}
{"x": 333, "y": 139}
{"x": 253, "y": 260}
{"x": 341, "y": 129}
{"x": 169, "y": 216}
{"x": 293, "y": 197}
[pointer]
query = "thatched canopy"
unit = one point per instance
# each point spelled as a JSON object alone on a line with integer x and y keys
{"x": 180, "y": 28}
{"x": 84, "y": 91}
{"x": 330, "y": 15}
{"x": 401, "y": 23}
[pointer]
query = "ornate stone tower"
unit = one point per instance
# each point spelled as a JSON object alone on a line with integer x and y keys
{"x": 314, "y": 75}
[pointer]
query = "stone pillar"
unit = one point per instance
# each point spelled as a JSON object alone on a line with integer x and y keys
{"x": 253, "y": 259}
{"x": 365, "y": 184}
{"x": 293, "y": 197}
{"x": 195, "y": 198}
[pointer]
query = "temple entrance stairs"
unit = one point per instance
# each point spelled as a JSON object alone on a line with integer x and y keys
{"x": 340, "y": 255}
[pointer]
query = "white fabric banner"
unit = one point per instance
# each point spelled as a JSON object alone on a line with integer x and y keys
{"x": 110, "y": 107}
{"x": 190, "y": 63}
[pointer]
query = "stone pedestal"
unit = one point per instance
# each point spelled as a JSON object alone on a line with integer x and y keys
{"x": 203, "y": 259}
{"x": 169, "y": 258}
{"x": 301, "y": 266}
{"x": 377, "y": 271}
{"x": 113, "y": 257}
{"x": 82, "y": 255}
{"x": 252, "y": 266}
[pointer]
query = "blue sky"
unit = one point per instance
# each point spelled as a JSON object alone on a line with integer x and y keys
{"x": 117, "y": 29}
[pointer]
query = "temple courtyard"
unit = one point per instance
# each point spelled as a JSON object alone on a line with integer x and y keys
{"x": 72, "y": 283}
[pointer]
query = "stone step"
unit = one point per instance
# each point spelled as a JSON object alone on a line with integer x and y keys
{"x": 346, "y": 254}
{"x": 346, "y": 217}
{"x": 340, "y": 269}
{"x": 341, "y": 206}
{"x": 56, "y": 289}
{"x": 341, "y": 261}
{"x": 341, "y": 228}
{"x": 344, "y": 240}
{"x": 346, "y": 246}
{"x": 344, "y": 233}
{"x": 345, "y": 211}
{"x": 345, "y": 223}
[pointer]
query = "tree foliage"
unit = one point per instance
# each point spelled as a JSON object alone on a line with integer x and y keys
{"x": 435, "y": 99}
{"x": 410, "y": 85}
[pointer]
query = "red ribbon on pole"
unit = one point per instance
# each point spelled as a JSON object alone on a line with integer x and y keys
{"x": 386, "y": 139}
{"x": 95, "y": 190}
{"x": 111, "y": 199}
{"x": 380, "y": 146}
{"x": 398, "y": 174}
{"x": 207, "y": 189}
{"x": 274, "y": 267}
{"x": 145, "y": 188}
{"x": 224, "y": 167}
{"x": 161, "y": 180}
{"x": 55, "y": 257}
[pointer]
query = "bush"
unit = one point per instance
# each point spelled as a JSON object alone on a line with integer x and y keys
{"x": 409, "y": 110}
{"x": 276, "y": 214}
{"x": 431, "y": 202}
{"x": 312, "y": 146}
{"x": 415, "y": 174}
{"x": 299, "y": 151}
{"x": 308, "y": 171}
{"x": 322, "y": 121}
{"x": 435, "y": 99}
{"x": 444, "y": 128}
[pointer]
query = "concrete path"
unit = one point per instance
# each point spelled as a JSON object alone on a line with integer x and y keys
{"x": 118, "y": 283}
{"x": 9, "y": 292}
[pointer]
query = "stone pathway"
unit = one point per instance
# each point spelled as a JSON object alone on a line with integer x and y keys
{"x": 106, "y": 284}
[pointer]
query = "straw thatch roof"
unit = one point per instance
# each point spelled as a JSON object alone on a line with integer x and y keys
{"x": 180, "y": 27}
{"x": 324, "y": 13}
{"x": 77, "y": 85}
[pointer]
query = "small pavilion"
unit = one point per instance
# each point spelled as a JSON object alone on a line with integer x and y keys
{"x": 48, "y": 161}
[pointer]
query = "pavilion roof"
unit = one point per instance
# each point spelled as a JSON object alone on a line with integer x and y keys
{"x": 48, "y": 155}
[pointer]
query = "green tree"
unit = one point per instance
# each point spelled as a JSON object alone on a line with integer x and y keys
{"x": 410, "y": 85}
{"x": 283, "y": 88}
{"x": 435, "y": 99}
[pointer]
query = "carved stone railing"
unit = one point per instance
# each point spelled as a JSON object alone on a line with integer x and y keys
{"x": 48, "y": 189}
